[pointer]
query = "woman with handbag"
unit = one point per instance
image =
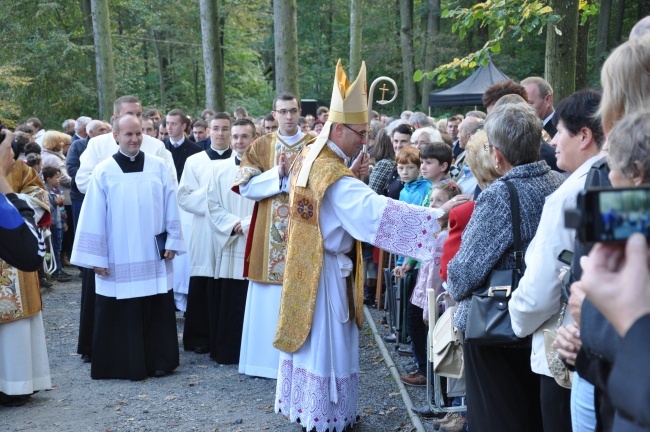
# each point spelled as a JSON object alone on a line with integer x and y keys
{"x": 502, "y": 391}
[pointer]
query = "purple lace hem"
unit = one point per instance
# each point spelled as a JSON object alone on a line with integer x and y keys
{"x": 303, "y": 395}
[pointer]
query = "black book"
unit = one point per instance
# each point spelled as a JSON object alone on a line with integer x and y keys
{"x": 161, "y": 239}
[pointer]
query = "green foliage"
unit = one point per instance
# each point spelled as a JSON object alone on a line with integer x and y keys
{"x": 503, "y": 18}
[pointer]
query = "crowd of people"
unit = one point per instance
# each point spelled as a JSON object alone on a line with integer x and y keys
{"x": 266, "y": 233}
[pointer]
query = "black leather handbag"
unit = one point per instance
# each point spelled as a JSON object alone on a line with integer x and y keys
{"x": 488, "y": 321}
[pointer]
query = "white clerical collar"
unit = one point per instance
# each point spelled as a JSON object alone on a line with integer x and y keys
{"x": 221, "y": 152}
{"x": 291, "y": 140}
{"x": 547, "y": 119}
{"x": 336, "y": 150}
{"x": 178, "y": 143}
{"x": 131, "y": 158}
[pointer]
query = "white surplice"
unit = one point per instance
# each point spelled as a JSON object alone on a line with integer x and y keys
{"x": 191, "y": 198}
{"x": 181, "y": 264}
{"x": 258, "y": 356}
{"x": 121, "y": 215}
{"x": 24, "y": 366}
{"x": 104, "y": 146}
{"x": 318, "y": 383}
{"x": 225, "y": 209}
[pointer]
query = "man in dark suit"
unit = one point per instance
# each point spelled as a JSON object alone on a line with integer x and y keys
{"x": 180, "y": 147}
{"x": 540, "y": 96}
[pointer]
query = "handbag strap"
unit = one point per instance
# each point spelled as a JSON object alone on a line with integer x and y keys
{"x": 516, "y": 225}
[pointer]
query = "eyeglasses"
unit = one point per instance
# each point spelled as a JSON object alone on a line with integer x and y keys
{"x": 285, "y": 111}
{"x": 361, "y": 134}
{"x": 420, "y": 143}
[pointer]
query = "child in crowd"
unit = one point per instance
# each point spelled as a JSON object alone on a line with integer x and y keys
{"x": 34, "y": 160}
{"x": 428, "y": 277}
{"x": 51, "y": 178}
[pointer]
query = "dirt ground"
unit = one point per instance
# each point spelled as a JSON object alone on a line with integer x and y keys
{"x": 199, "y": 396}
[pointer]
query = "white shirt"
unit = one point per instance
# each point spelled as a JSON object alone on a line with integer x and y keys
{"x": 535, "y": 305}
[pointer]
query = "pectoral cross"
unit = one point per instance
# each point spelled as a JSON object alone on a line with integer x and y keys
{"x": 383, "y": 90}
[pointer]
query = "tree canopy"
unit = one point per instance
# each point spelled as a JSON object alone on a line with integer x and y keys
{"x": 47, "y": 65}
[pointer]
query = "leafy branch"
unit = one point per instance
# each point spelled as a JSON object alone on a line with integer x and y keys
{"x": 503, "y": 18}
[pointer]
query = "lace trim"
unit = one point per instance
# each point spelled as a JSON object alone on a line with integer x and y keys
{"x": 174, "y": 229}
{"x": 137, "y": 271}
{"x": 245, "y": 174}
{"x": 303, "y": 395}
{"x": 407, "y": 230}
{"x": 93, "y": 244}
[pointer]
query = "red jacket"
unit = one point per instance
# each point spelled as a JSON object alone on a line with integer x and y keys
{"x": 458, "y": 219}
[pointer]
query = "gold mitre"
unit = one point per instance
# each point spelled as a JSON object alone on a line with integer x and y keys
{"x": 349, "y": 101}
{"x": 349, "y": 105}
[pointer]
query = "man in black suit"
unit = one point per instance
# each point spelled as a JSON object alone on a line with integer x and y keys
{"x": 180, "y": 147}
{"x": 540, "y": 96}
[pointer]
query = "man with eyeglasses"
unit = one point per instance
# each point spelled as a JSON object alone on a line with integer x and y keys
{"x": 100, "y": 148}
{"x": 330, "y": 213}
{"x": 262, "y": 178}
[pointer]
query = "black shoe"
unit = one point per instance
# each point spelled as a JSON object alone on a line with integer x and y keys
{"x": 86, "y": 358}
{"x": 61, "y": 277}
{"x": 424, "y": 412}
{"x": 13, "y": 400}
{"x": 46, "y": 283}
{"x": 159, "y": 374}
{"x": 391, "y": 338}
{"x": 369, "y": 300}
{"x": 201, "y": 349}
{"x": 406, "y": 352}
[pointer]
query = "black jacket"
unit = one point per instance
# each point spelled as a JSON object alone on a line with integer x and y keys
{"x": 181, "y": 153}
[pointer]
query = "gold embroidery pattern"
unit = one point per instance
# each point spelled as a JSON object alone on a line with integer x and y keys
{"x": 279, "y": 221}
{"x": 11, "y": 307}
{"x": 305, "y": 254}
{"x": 244, "y": 174}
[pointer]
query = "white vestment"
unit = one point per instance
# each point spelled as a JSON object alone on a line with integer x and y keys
{"x": 24, "y": 366}
{"x": 104, "y": 146}
{"x": 121, "y": 215}
{"x": 258, "y": 356}
{"x": 225, "y": 209}
{"x": 182, "y": 263}
{"x": 319, "y": 382}
{"x": 204, "y": 250}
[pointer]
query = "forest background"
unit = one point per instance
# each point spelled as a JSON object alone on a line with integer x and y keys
{"x": 48, "y": 53}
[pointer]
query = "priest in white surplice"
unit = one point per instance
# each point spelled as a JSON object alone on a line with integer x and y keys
{"x": 204, "y": 251}
{"x": 331, "y": 212}
{"x": 230, "y": 217}
{"x": 100, "y": 148}
{"x": 259, "y": 179}
{"x": 130, "y": 200}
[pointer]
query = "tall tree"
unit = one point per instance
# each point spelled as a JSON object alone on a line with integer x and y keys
{"x": 356, "y": 37}
{"x": 602, "y": 33}
{"x": 406, "y": 42}
{"x": 103, "y": 57}
{"x": 213, "y": 65}
{"x": 433, "y": 30}
{"x": 285, "y": 30}
{"x": 620, "y": 15}
{"x": 582, "y": 53}
{"x": 561, "y": 48}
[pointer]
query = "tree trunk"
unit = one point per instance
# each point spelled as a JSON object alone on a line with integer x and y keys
{"x": 162, "y": 66}
{"x": 582, "y": 55}
{"x": 602, "y": 33}
{"x": 620, "y": 14}
{"x": 406, "y": 41}
{"x": 356, "y": 28}
{"x": 103, "y": 58}
{"x": 433, "y": 31}
{"x": 285, "y": 30}
{"x": 213, "y": 65}
{"x": 560, "y": 64}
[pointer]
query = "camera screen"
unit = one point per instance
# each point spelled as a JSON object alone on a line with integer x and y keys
{"x": 623, "y": 213}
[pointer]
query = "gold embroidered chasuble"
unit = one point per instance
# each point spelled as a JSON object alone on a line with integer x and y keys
{"x": 305, "y": 253}
{"x": 265, "y": 247}
{"x": 20, "y": 295}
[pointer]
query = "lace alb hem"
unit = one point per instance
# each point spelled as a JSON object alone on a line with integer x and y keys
{"x": 303, "y": 395}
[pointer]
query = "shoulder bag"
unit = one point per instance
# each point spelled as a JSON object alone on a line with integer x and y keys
{"x": 488, "y": 321}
